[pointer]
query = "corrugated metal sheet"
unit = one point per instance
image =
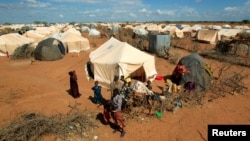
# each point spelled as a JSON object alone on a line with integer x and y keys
{"x": 159, "y": 44}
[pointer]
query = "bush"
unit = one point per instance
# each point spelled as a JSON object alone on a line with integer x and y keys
{"x": 25, "y": 51}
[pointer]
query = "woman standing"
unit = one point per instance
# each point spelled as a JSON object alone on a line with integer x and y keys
{"x": 74, "y": 91}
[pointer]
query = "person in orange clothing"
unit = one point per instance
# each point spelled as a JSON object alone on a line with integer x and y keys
{"x": 117, "y": 112}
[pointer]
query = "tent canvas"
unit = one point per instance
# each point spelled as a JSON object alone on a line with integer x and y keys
{"x": 11, "y": 41}
{"x": 49, "y": 49}
{"x": 74, "y": 42}
{"x": 209, "y": 36}
{"x": 228, "y": 33}
{"x": 119, "y": 58}
{"x": 34, "y": 35}
{"x": 140, "y": 31}
{"x": 173, "y": 31}
{"x": 195, "y": 71}
{"x": 94, "y": 32}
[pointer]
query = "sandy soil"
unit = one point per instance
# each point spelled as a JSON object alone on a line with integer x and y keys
{"x": 41, "y": 87}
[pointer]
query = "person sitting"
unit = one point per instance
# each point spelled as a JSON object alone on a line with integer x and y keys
{"x": 152, "y": 97}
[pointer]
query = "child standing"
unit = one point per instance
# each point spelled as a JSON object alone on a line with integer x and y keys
{"x": 97, "y": 93}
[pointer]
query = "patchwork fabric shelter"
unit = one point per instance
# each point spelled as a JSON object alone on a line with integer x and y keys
{"x": 191, "y": 69}
{"x": 50, "y": 49}
{"x": 119, "y": 58}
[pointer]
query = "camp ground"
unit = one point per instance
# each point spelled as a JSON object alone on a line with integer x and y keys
{"x": 197, "y": 76}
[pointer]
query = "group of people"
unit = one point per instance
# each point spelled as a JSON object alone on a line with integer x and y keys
{"x": 112, "y": 107}
{"x": 74, "y": 89}
{"x": 120, "y": 92}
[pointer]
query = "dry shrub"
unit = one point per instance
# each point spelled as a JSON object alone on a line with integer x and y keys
{"x": 135, "y": 108}
{"x": 34, "y": 126}
{"x": 173, "y": 56}
{"x": 6, "y": 30}
{"x": 126, "y": 32}
{"x": 228, "y": 82}
{"x": 25, "y": 51}
{"x": 233, "y": 59}
{"x": 193, "y": 98}
{"x": 244, "y": 35}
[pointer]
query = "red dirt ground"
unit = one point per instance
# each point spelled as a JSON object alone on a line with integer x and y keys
{"x": 41, "y": 88}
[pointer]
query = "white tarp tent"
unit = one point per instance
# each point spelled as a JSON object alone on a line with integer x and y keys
{"x": 173, "y": 31}
{"x": 228, "y": 33}
{"x": 34, "y": 35}
{"x": 74, "y": 42}
{"x": 196, "y": 27}
{"x": 208, "y": 36}
{"x": 11, "y": 41}
{"x": 94, "y": 32}
{"x": 140, "y": 31}
{"x": 241, "y": 27}
{"x": 119, "y": 58}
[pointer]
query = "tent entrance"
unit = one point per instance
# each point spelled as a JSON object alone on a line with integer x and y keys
{"x": 139, "y": 74}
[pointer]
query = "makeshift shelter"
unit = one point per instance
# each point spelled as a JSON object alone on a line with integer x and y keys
{"x": 226, "y": 26}
{"x": 241, "y": 27}
{"x": 49, "y": 49}
{"x": 74, "y": 42}
{"x": 214, "y": 27}
{"x": 140, "y": 31}
{"x": 119, "y": 58}
{"x": 34, "y": 35}
{"x": 188, "y": 31}
{"x": 228, "y": 33}
{"x": 84, "y": 28}
{"x": 173, "y": 31}
{"x": 196, "y": 27}
{"x": 207, "y": 36}
{"x": 153, "y": 28}
{"x": 56, "y": 35}
{"x": 191, "y": 69}
{"x": 159, "y": 44}
{"x": 11, "y": 41}
{"x": 114, "y": 27}
{"x": 94, "y": 32}
{"x": 72, "y": 30}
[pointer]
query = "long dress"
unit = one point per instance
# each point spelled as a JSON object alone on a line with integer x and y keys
{"x": 74, "y": 85}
